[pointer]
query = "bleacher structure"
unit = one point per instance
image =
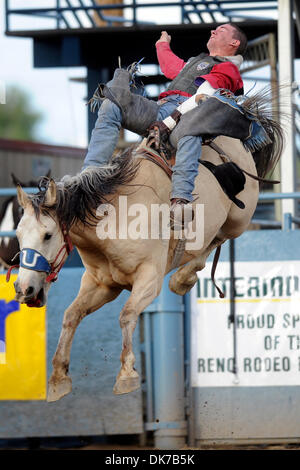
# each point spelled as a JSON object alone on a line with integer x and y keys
{"x": 67, "y": 14}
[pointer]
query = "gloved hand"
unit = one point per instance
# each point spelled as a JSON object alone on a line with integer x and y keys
{"x": 160, "y": 131}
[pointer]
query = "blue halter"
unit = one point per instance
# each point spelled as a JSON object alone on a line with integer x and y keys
{"x": 32, "y": 259}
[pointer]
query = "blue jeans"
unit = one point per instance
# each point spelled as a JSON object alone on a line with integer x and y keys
{"x": 105, "y": 137}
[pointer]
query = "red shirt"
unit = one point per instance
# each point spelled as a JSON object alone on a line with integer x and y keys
{"x": 223, "y": 75}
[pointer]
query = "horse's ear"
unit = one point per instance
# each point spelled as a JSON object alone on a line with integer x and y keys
{"x": 50, "y": 196}
{"x": 23, "y": 198}
{"x": 15, "y": 180}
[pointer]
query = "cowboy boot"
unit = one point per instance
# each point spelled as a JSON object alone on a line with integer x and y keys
{"x": 181, "y": 213}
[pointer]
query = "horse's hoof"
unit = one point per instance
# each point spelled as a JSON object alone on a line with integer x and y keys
{"x": 58, "y": 389}
{"x": 126, "y": 385}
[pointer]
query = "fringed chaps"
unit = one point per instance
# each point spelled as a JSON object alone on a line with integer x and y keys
{"x": 138, "y": 112}
{"x": 214, "y": 117}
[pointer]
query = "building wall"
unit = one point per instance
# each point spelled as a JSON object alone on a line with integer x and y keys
{"x": 31, "y": 160}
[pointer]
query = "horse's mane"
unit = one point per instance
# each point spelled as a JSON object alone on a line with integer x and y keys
{"x": 78, "y": 197}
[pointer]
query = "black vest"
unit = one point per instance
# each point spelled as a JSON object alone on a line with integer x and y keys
{"x": 195, "y": 67}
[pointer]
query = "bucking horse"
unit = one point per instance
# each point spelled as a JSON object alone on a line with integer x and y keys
{"x": 107, "y": 212}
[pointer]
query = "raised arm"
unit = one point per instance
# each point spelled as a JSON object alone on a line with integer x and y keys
{"x": 169, "y": 62}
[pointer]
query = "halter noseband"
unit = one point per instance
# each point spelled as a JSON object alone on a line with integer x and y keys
{"x": 32, "y": 259}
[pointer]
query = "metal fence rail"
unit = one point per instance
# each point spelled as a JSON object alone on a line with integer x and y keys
{"x": 13, "y": 191}
{"x": 72, "y": 14}
{"x": 288, "y": 219}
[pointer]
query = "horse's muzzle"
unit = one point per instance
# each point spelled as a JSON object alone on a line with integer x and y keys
{"x": 31, "y": 297}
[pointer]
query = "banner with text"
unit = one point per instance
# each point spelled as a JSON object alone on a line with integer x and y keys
{"x": 267, "y": 320}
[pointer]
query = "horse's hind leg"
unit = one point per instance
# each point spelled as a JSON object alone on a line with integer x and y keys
{"x": 146, "y": 287}
{"x": 185, "y": 277}
{"x": 91, "y": 296}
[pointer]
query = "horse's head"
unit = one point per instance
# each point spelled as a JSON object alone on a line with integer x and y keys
{"x": 43, "y": 246}
{"x": 10, "y": 215}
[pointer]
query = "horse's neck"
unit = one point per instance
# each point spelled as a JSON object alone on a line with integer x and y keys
{"x": 83, "y": 236}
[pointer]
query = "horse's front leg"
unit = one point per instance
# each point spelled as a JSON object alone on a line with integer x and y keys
{"x": 91, "y": 296}
{"x": 146, "y": 287}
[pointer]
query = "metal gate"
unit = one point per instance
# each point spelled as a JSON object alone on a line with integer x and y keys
{"x": 258, "y": 402}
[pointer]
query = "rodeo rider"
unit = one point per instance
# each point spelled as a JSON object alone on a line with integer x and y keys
{"x": 200, "y": 75}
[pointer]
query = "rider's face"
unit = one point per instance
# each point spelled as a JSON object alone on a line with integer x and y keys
{"x": 222, "y": 38}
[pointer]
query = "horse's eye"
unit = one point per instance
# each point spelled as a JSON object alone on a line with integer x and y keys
{"x": 47, "y": 236}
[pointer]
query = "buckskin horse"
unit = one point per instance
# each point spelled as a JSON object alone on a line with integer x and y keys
{"x": 66, "y": 213}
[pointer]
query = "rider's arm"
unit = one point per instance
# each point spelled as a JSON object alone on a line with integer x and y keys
{"x": 169, "y": 62}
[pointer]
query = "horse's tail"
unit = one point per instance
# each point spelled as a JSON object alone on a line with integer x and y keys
{"x": 263, "y": 105}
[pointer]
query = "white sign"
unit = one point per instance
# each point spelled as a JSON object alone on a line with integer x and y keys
{"x": 267, "y": 319}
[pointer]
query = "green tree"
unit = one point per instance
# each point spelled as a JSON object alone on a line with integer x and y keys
{"x": 17, "y": 118}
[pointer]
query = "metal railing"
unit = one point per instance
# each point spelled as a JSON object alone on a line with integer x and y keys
{"x": 288, "y": 218}
{"x": 72, "y": 14}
